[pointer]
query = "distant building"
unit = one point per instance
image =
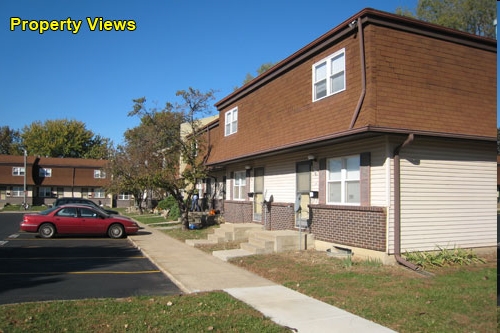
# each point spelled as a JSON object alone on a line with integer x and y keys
{"x": 50, "y": 178}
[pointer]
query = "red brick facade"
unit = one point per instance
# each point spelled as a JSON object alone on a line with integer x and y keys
{"x": 363, "y": 227}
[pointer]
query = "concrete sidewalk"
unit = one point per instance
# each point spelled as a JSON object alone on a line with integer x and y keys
{"x": 193, "y": 270}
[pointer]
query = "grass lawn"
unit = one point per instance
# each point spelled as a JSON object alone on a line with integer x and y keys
{"x": 452, "y": 299}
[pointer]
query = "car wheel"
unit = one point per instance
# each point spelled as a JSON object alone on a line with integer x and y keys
{"x": 47, "y": 230}
{"x": 116, "y": 231}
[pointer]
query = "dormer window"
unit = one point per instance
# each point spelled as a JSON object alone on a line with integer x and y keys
{"x": 329, "y": 75}
{"x": 231, "y": 122}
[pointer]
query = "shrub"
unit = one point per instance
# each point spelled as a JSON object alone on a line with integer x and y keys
{"x": 443, "y": 257}
{"x": 171, "y": 204}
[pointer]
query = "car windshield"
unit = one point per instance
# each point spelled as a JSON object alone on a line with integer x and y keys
{"x": 47, "y": 211}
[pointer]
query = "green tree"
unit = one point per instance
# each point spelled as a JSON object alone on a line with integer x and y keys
{"x": 264, "y": 67}
{"x": 64, "y": 138}
{"x": 153, "y": 150}
{"x": 10, "y": 141}
{"x": 498, "y": 141}
{"x": 472, "y": 16}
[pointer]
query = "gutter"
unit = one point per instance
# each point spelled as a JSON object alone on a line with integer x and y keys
{"x": 397, "y": 204}
{"x": 363, "y": 73}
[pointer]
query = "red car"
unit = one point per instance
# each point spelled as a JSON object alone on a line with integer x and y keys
{"x": 78, "y": 219}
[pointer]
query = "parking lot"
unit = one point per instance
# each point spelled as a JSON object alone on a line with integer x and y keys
{"x": 36, "y": 269}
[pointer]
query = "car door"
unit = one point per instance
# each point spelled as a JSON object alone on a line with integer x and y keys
{"x": 67, "y": 221}
{"x": 91, "y": 221}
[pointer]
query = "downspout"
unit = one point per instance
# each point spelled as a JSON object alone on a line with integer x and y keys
{"x": 363, "y": 74}
{"x": 397, "y": 204}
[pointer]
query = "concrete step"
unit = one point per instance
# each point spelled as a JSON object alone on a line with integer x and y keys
{"x": 254, "y": 249}
{"x": 266, "y": 244}
{"x": 262, "y": 241}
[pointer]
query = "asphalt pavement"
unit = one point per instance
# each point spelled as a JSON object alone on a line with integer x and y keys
{"x": 193, "y": 270}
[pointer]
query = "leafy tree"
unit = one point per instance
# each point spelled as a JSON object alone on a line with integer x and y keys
{"x": 64, "y": 138}
{"x": 473, "y": 16}
{"x": 264, "y": 67}
{"x": 151, "y": 157}
{"x": 10, "y": 141}
{"x": 498, "y": 141}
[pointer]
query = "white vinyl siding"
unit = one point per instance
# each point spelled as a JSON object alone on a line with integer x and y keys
{"x": 448, "y": 196}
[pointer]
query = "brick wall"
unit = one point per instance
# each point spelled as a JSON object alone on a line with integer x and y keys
{"x": 280, "y": 216}
{"x": 363, "y": 227}
{"x": 238, "y": 211}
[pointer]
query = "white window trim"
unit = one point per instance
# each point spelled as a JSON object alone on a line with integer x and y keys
{"x": 99, "y": 174}
{"x": 327, "y": 60}
{"x": 45, "y": 172}
{"x": 45, "y": 192}
{"x": 229, "y": 121}
{"x": 238, "y": 189}
{"x": 99, "y": 193}
{"x": 17, "y": 191}
{"x": 343, "y": 181}
{"x": 18, "y": 171}
{"x": 124, "y": 196}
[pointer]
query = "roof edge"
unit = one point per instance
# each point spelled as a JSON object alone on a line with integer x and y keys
{"x": 368, "y": 16}
{"x": 346, "y": 135}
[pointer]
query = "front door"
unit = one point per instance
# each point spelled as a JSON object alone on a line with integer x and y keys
{"x": 258, "y": 196}
{"x": 303, "y": 172}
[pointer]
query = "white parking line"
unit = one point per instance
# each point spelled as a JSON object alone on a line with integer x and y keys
{"x": 3, "y": 242}
{"x": 13, "y": 236}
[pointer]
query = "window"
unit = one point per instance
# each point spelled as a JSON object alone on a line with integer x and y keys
{"x": 329, "y": 75}
{"x": 231, "y": 122}
{"x": 17, "y": 191}
{"x": 99, "y": 193}
{"x": 343, "y": 180}
{"x": 239, "y": 185}
{"x": 88, "y": 213}
{"x": 17, "y": 171}
{"x": 124, "y": 196}
{"x": 45, "y": 192}
{"x": 67, "y": 212}
{"x": 99, "y": 174}
{"x": 44, "y": 172}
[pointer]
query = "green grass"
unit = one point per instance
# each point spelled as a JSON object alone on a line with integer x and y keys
{"x": 455, "y": 298}
{"x": 215, "y": 311}
{"x": 17, "y": 208}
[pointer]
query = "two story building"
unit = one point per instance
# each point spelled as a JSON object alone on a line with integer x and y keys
{"x": 47, "y": 179}
{"x": 379, "y": 137}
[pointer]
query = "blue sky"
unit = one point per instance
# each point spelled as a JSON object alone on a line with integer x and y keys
{"x": 92, "y": 76}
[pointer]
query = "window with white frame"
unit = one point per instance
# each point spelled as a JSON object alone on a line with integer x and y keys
{"x": 17, "y": 171}
{"x": 99, "y": 193}
{"x": 45, "y": 192}
{"x": 231, "y": 122}
{"x": 329, "y": 75}
{"x": 239, "y": 185}
{"x": 99, "y": 174}
{"x": 124, "y": 196}
{"x": 17, "y": 191}
{"x": 45, "y": 172}
{"x": 343, "y": 180}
